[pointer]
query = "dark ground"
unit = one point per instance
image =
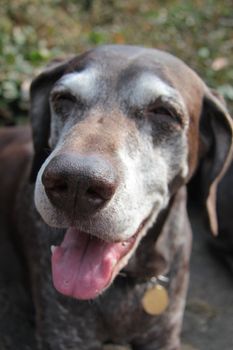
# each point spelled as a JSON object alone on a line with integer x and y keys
{"x": 208, "y": 322}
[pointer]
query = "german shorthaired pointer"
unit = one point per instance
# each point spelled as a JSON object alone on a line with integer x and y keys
{"x": 118, "y": 132}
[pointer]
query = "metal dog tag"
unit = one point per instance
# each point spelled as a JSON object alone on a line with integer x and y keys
{"x": 155, "y": 300}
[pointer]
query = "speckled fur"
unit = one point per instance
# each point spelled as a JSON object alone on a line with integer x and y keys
{"x": 117, "y": 316}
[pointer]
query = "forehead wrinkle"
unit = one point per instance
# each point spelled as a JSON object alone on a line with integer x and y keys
{"x": 82, "y": 84}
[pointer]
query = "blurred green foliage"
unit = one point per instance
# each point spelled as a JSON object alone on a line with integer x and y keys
{"x": 34, "y": 32}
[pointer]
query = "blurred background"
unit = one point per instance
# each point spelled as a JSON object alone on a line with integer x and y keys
{"x": 34, "y": 32}
{"x": 200, "y": 32}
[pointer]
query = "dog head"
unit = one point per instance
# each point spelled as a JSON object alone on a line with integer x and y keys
{"x": 125, "y": 128}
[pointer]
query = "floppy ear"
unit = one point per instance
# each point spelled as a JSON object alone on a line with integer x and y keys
{"x": 216, "y": 139}
{"x": 40, "y": 111}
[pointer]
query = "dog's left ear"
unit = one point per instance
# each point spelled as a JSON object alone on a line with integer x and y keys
{"x": 40, "y": 111}
{"x": 216, "y": 148}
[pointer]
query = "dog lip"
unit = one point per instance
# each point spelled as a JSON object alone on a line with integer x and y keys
{"x": 84, "y": 265}
{"x": 106, "y": 239}
{"x": 134, "y": 240}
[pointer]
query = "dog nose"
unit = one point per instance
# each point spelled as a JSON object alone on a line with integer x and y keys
{"x": 81, "y": 183}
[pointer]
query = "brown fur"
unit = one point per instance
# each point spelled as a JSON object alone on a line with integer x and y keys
{"x": 117, "y": 316}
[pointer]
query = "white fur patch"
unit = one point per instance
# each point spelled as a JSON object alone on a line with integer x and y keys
{"x": 149, "y": 87}
{"x": 82, "y": 84}
{"x": 145, "y": 186}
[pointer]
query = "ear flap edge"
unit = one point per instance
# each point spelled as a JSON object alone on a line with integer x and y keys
{"x": 220, "y": 153}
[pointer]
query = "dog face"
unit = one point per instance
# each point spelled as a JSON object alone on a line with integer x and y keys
{"x": 122, "y": 124}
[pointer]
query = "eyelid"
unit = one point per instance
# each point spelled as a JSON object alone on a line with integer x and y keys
{"x": 57, "y": 95}
{"x": 169, "y": 109}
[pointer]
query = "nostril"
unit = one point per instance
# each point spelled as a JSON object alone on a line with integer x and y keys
{"x": 99, "y": 194}
{"x": 94, "y": 196}
{"x": 54, "y": 183}
{"x": 92, "y": 193}
{"x": 62, "y": 187}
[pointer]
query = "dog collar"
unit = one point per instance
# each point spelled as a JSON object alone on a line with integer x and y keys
{"x": 155, "y": 299}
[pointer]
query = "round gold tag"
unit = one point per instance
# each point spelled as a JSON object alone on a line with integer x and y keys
{"x": 155, "y": 300}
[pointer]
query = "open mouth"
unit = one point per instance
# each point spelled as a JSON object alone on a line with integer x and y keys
{"x": 83, "y": 266}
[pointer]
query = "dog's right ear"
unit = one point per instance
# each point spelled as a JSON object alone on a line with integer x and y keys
{"x": 40, "y": 111}
{"x": 216, "y": 136}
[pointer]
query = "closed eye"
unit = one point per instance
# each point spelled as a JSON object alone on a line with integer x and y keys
{"x": 63, "y": 103}
{"x": 162, "y": 113}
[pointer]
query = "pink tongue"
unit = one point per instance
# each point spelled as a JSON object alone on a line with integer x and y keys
{"x": 82, "y": 267}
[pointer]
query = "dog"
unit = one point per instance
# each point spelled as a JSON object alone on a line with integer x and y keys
{"x": 118, "y": 132}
